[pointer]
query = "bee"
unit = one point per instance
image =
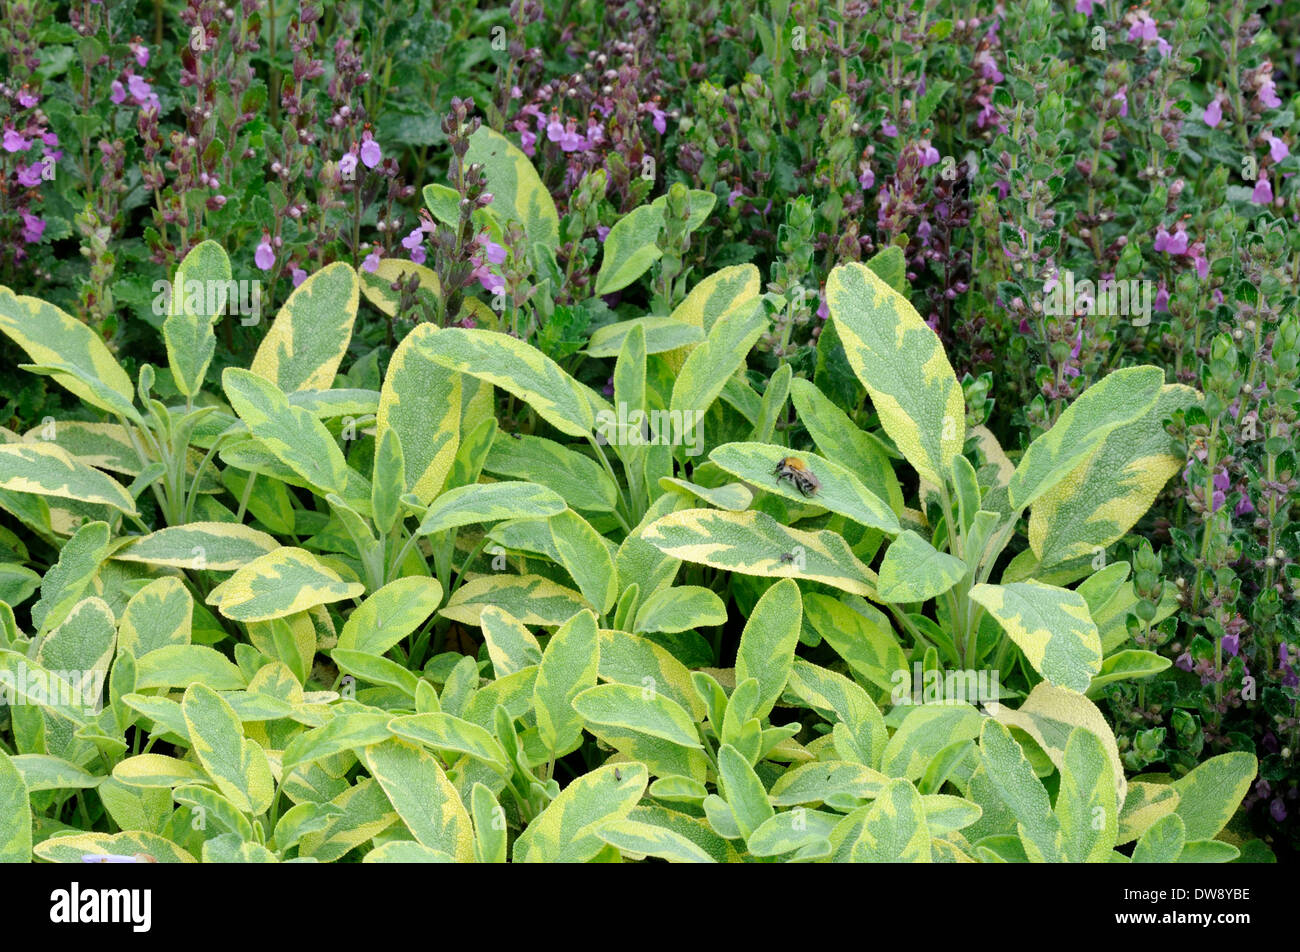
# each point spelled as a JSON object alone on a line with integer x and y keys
{"x": 795, "y": 470}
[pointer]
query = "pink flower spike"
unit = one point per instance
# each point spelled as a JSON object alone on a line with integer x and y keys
{"x": 1277, "y": 149}
{"x": 13, "y": 142}
{"x": 1263, "y": 193}
{"x": 264, "y": 257}
{"x": 371, "y": 154}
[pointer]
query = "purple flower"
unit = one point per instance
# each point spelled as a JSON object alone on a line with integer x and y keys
{"x": 1263, "y": 193}
{"x": 140, "y": 91}
{"x": 1161, "y": 304}
{"x": 27, "y": 99}
{"x": 1175, "y": 244}
{"x": 1122, "y": 98}
{"x": 929, "y": 156}
{"x": 555, "y": 130}
{"x": 1202, "y": 266}
{"x": 33, "y": 228}
{"x": 371, "y": 262}
{"x": 1213, "y": 114}
{"x": 1277, "y": 149}
{"x": 13, "y": 142}
{"x": 867, "y": 179}
{"x": 660, "y": 120}
{"x": 141, "y": 53}
{"x": 1277, "y": 809}
{"x": 347, "y": 164}
{"x": 988, "y": 68}
{"x": 118, "y": 93}
{"x": 264, "y": 257}
{"x": 602, "y": 231}
{"x": 1245, "y": 507}
{"x": 735, "y": 194}
{"x": 371, "y": 154}
{"x": 1085, "y": 6}
{"x": 299, "y": 275}
{"x": 890, "y": 130}
{"x": 29, "y": 176}
{"x": 526, "y": 142}
{"x": 492, "y": 283}
{"x": 1268, "y": 94}
{"x": 494, "y": 253}
{"x": 1232, "y": 644}
{"x": 138, "y": 87}
{"x": 1144, "y": 28}
{"x": 1184, "y": 661}
{"x": 823, "y": 312}
{"x": 414, "y": 243}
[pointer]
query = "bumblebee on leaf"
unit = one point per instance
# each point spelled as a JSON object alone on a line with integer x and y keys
{"x": 798, "y": 474}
